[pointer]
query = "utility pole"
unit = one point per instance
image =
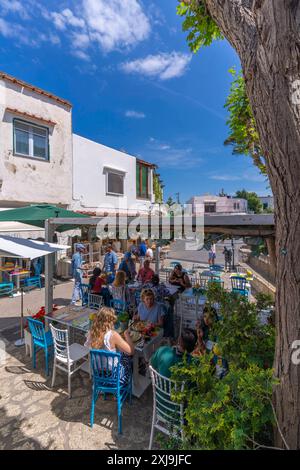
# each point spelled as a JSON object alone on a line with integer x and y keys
{"x": 232, "y": 246}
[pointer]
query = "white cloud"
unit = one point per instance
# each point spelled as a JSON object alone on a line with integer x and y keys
{"x": 135, "y": 114}
{"x": 253, "y": 176}
{"x": 80, "y": 54}
{"x": 13, "y": 30}
{"x": 164, "y": 65}
{"x": 112, "y": 25}
{"x": 169, "y": 156}
{"x": 13, "y": 6}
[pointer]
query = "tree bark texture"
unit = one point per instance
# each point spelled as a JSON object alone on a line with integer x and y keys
{"x": 266, "y": 35}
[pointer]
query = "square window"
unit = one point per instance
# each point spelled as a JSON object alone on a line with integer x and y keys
{"x": 115, "y": 183}
{"x": 30, "y": 140}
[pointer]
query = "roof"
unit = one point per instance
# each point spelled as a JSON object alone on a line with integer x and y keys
{"x": 152, "y": 165}
{"x": 10, "y": 78}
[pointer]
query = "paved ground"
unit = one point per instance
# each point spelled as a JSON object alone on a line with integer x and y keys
{"x": 34, "y": 416}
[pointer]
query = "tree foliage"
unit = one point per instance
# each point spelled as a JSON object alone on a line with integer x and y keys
{"x": 254, "y": 203}
{"x": 202, "y": 30}
{"x": 243, "y": 134}
{"x": 157, "y": 189}
{"x": 235, "y": 412}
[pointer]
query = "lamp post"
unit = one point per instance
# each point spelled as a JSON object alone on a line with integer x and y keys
{"x": 232, "y": 246}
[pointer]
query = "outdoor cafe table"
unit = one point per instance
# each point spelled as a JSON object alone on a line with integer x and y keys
{"x": 77, "y": 317}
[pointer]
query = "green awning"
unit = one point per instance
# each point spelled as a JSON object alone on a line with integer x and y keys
{"x": 37, "y": 214}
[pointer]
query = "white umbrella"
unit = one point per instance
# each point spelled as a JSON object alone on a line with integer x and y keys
{"x": 12, "y": 247}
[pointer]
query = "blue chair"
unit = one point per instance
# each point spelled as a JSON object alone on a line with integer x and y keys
{"x": 174, "y": 263}
{"x": 40, "y": 340}
{"x": 216, "y": 280}
{"x": 85, "y": 290}
{"x": 105, "y": 368}
{"x": 6, "y": 288}
{"x": 31, "y": 282}
{"x": 118, "y": 305}
{"x": 239, "y": 285}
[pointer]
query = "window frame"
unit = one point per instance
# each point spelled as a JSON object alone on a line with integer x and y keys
{"x": 118, "y": 173}
{"x": 139, "y": 194}
{"x": 31, "y": 126}
{"x": 212, "y": 203}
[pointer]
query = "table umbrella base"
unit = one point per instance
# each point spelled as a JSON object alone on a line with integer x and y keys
{"x": 20, "y": 342}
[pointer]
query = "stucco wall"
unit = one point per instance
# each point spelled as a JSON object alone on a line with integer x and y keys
{"x": 223, "y": 204}
{"x": 26, "y": 180}
{"x": 89, "y": 178}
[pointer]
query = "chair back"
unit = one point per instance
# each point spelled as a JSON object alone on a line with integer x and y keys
{"x": 95, "y": 301}
{"x": 34, "y": 281}
{"x": 6, "y": 288}
{"x": 105, "y": 366}
{"x": 238, "y": 283}
{"x": 84, "y": 288}
{"x": 119, "y": 293}
{"x": 216, "y": 280}
{"x": 61, "y": 343}
{"x": 169, "y": 415}
{"x": 37, "y": 330}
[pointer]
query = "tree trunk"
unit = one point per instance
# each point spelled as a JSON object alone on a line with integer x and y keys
{"x": 271, "y": 67}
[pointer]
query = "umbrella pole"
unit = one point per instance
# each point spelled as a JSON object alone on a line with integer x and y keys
{"x": 21, "y": 341}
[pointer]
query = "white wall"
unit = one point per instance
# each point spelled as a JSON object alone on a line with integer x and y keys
{"x": 30, "y": 180}
{"x": 224, "y": 205}
{"x": 89, "y": 179}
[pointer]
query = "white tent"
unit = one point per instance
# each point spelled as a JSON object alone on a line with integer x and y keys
{"x": 12, "y": 247}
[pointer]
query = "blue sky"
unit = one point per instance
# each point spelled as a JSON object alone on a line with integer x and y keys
{"x": 134, "y": 85}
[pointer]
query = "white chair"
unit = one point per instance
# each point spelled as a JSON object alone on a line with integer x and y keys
{"x": 190, "y": 311}
{"x": 67, "y": 356}
{"x": 95, "y": 301}
{"x": 167, "y": 415}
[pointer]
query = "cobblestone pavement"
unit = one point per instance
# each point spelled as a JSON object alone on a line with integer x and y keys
{"x": 34, "y": 416}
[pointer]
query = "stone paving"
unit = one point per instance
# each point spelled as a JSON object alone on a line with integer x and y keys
{"x": 34, "y": 416}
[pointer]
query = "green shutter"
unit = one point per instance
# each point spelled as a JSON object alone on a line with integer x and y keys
{"x": 138, "y": 189}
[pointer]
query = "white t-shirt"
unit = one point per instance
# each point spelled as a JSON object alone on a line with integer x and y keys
{"x": 149, "y": 253}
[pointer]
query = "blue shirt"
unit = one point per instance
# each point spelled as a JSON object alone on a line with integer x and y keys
{"x": 110, "y": 260}
{"x": 152, "y": 315}
{"x": 76, "y": 264}
{"x": 143, "y": 249}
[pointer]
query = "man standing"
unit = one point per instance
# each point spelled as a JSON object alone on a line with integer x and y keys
{"x": 143, "y": 251}
{"x": 110, "y": 264}
{"x": 228, "y": 257}
{"x": 77, "y": 262}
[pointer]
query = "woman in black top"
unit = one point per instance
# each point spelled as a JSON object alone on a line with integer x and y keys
{"x": 180, "y": 278}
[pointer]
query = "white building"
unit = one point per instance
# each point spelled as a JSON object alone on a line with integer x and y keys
{"x": 210, "y": 204}
{"x": 38, "y": 163}
{"x": 106, "y": 180}
{"x": 267, "y": 202}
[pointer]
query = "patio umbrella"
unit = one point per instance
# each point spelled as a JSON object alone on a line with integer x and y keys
{"x": 37, "y": 215}
{"x": 11, "y": 247}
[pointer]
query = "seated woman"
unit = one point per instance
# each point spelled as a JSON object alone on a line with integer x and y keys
{"x": 103, "y": 336}
{"x": 118, "y": 288}
{"x": 209, "y": 317}
{"x": 97, "y": 286}
{"x": 200, "y": 348}
{"x": 180, "y": 278}
{"x": 149, "y": 310}
{"x": 128, "y": 266}
{"x": 145, "y": 274}
{"x": 160, "y": 291}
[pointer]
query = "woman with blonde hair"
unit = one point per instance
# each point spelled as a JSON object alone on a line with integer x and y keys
{"x": 118, "y": 289}
{"x": 149, "y": 310}
{"x": 102, "y": 335}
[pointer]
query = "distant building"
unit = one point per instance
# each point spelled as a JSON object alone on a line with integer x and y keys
{"x": 210, "y": 204}
{"x": 267, "y": 202}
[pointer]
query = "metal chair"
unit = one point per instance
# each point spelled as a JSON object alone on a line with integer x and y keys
{"x": 66, "y": 356}
{"x": 239, "y": 285}
{"x": 95, "y": 301}
{"x": 41, "y": 339}
{"x": 85, "y": 289}
{"x": 168, "y": 416}
{"x": 105, "y": 368}
{"x": 6, "y": 288}
{"x": 31, "y": 282}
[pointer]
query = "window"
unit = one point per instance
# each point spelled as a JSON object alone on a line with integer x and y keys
{"x": 142, "y": 181}
{"x": 115, "y": 183}
{"x": 210, "y": 207}
{"x": 30, "y": 140}
{"x": 265, "y": 205}
{"x": 236, "y": 206}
